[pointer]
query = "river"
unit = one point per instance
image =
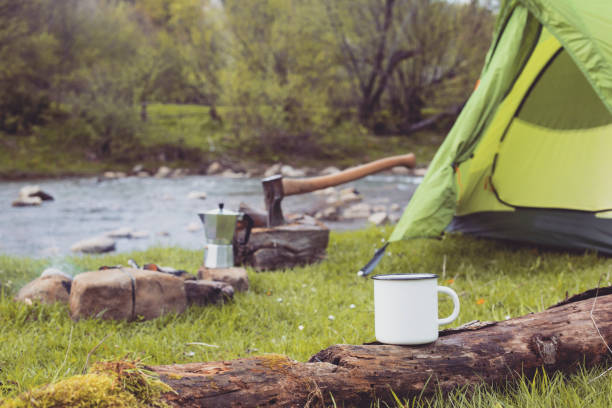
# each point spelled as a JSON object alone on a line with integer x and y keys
{"x": 87, "y": 207}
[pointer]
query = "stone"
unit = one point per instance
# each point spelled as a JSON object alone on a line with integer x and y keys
{"x": 55, "y": 271}
{"x": 273, "y": 170}
{"x": 163, "y": 172}
{"x": 394, "y": 207}
{"x": 329, "y": 170}
{"x": 214, "y": 168}
{"x": 237, "y": 277}
{"x": 349, "y": 190}
{"x": 360, "y": 210}
{"x": 94, "y": 245}
{"x": 327, "y": 191}
{"x": 328, "y": 213}
{"x": 34, "y": 191}
{"x": 123, "y": 232}
{"x": 205, "y": 292}
{"x": 143, "y": 174}
{"x": 379, "y": 218}
{"x": 333, "y": 200}
{"x": 194, "y": 226}
{"x": 46, "y": 289}
{"x": 140, "y": 234}
{"x": 379, "y": 208}
{"x": 229, "y": 173}
{"x": 400, "y": 170}
{"x": 349, "y": 197}
{"x": 393, "y": 218}
{"x": 27, "y": 202}
{"x": 288, "y": 171}
{"x": 137, "y": 168}
{"x": 126, "y": 294}
{"x": 176, "y": 173}
{"x": 199, "y": 195}
{"x": 421, "y": 172}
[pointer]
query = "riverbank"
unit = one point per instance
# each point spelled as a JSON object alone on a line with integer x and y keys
{"x": 180, "y": 136}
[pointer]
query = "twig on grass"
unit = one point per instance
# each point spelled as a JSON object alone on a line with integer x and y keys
{"x": 65, "y": 356}
{"x": 197, "y": 343}
{"x": 93, "y": 350}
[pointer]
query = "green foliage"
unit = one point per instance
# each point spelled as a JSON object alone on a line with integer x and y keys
{"x": 280, "y": 79}
{"x": 494, "y": 281}
{"x": 278, "y": 82}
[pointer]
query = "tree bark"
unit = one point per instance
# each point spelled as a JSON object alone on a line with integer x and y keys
{"x": 284, "y": 246}
{"x": 560, "y": 338}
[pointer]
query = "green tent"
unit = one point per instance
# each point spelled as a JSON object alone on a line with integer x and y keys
{"x": 530, "y": 156}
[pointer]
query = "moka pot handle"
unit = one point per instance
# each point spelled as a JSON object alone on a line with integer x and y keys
{"x": 249, "y": 227}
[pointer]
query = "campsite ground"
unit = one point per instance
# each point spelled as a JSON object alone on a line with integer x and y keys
{"x": 302, "y": 311}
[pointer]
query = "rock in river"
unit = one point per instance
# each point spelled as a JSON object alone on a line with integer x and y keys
{"x": 95, "y": 245}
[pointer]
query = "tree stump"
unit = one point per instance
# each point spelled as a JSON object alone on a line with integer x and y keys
{"x": 282, "y": 247}
{"x": 561, "y": 338}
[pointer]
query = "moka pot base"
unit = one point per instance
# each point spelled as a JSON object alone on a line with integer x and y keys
{"x": 218, "y": 256}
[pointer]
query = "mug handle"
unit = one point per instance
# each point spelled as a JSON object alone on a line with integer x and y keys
{"x": 453, "y": 295}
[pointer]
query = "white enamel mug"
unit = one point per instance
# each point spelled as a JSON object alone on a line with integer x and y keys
{"x": 406, "y": 308}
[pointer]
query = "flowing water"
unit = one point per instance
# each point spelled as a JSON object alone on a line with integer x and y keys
{"x": 85, "y": 207}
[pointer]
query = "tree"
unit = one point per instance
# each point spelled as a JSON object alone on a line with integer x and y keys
{"x": 26, "y": 56}
{"x": 368, "y": 37}
{"x": 453, "y": 39}
{"x": 397, "y": 52}
{"x": 280, "y": 74}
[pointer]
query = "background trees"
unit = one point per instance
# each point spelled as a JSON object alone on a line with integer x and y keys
{"x": 276, "y": 75}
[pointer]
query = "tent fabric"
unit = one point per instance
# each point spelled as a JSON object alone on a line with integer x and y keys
{"x": 584, "y": 29}
{"x": 516, "y": 59}
{"x": 550, "y": 101}
{"x": 556, "y": 228}
{"x": 433, "y": 205}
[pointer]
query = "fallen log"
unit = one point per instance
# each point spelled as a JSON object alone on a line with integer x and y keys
{"x": 560, "y": 338}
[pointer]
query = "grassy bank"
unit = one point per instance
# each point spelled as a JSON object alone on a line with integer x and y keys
{"x": 302, "y": 311}
{"x": 186, "y": 136}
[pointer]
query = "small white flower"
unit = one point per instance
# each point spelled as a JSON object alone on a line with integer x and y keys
{"x": 382, "y": 240}
{"x": 304, "y": 285}
{"x": 28, "y": 301}
{"x": 279, "y": 300}
{"x": 331, "y": 317}
{"x": 507, "y": 317}
{"x": 351, "y": 306}
{"x": 360, "y": 273}
{"x": 190, "y": 354}
{"x": 300, "y": 327}
{"x": 313, "y": 289}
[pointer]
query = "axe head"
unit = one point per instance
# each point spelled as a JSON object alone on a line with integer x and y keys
{"x": 273, "y": 195}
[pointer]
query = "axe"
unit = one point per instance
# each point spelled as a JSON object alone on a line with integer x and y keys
{"x": 276, "y": 187}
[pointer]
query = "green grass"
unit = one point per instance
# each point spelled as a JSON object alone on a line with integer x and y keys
{"x": 39, "y": 344}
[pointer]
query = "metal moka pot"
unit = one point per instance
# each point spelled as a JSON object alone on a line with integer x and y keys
{"x": 219, "y": 230}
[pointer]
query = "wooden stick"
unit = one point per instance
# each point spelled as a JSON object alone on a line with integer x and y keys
{"x": 558, "y": 339}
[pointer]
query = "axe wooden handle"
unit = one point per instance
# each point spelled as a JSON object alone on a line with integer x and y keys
{"x": 306, "y": 185}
